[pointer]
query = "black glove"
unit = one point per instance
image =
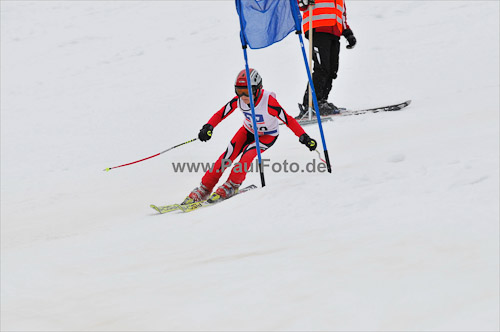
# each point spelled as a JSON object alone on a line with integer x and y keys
{"x": 347, "y": 33}
{"x": 305, "y": 3}
{"x": 308, "y": 141}
{"x": 206, "y": 132}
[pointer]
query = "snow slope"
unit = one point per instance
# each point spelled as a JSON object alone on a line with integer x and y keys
{"x": 403, "y": 235}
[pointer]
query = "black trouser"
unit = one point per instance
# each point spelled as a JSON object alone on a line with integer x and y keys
{"x": 326, "y": 49}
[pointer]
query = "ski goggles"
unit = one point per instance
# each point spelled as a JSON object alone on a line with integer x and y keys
{"x": 240, "y": 92}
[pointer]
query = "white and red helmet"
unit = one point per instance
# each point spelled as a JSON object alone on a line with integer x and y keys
{"x": 240, "y": 85}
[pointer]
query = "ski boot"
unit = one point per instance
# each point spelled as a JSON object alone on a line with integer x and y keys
{"x": 326, "y": 108}
{"x": 198, "y": 194}
{"x": 228, "y": 189}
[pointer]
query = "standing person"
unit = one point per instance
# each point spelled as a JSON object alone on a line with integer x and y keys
{"x": 329, "y": 23}
{"x": 267, "y": 113}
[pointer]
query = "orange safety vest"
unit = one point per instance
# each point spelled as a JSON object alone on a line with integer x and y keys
{"x": 326, "y": 13}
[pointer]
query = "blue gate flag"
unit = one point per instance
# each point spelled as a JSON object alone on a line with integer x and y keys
{"x": 265, "y": 22}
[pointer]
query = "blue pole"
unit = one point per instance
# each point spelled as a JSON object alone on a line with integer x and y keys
{"x": 315, "y": 100}
{"x": 249, "y": 86}
{"x": 298, "y": 27}
{"x": 254, "y": 121}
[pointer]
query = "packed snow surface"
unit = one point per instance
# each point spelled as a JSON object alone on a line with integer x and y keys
{"x": 402, "y": 235}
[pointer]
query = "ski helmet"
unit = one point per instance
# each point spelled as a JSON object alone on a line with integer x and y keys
{"x": 241, "y": 87}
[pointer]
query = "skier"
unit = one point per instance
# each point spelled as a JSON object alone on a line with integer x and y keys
{"x": 267, "y": 113}
{"x": 329, "y": 22}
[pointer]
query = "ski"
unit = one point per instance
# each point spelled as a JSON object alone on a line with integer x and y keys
{"x": 390, "y": 108}
{"x": 193, "y": 206}
{"x": 165, "y": 208}
{"x": 213, "y": 199}
{"x": 347, "y": 112}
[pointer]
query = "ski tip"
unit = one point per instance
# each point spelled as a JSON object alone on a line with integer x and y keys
{"x": 107, "y": 169}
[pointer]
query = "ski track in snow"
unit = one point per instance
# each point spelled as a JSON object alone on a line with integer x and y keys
{"x": 403, "y": 235}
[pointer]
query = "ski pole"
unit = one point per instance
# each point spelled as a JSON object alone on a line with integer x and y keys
{"x": 138, "y": 161}
{"x": 319, "y": 156}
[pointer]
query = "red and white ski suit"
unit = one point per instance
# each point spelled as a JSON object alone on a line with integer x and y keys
{"x": 267, "y": 113}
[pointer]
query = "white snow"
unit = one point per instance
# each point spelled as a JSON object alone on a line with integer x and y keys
{"x": 402, "y": 236}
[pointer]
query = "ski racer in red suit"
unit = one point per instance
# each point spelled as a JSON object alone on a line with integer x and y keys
{"x": 267, "y": 112}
